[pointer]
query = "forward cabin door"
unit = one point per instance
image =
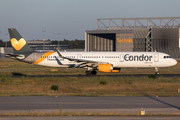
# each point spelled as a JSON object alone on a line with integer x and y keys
{"x": 121, "y": 59}
{"x": 156, "y": 57}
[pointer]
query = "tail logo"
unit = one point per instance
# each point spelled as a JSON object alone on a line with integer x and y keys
{"x": 18, "y": 45}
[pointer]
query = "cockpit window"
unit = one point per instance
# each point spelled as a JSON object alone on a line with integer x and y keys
{"x": 167, "y": 56}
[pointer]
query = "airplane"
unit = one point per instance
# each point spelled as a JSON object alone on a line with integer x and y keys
{"x": 92, "y": 61}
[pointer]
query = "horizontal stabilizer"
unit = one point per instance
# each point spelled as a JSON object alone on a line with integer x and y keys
{"x": 12, "y": 56}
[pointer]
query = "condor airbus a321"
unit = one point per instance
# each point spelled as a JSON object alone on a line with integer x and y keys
{"x": 92, "y": 61}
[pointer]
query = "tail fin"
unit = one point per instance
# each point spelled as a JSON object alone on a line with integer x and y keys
{"x": 18, "y": 43}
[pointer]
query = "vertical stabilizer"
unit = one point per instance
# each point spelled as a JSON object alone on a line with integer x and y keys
{"x": 18, "y": 43}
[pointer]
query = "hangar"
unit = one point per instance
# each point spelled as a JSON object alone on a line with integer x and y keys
{"x": 160, "y": 34}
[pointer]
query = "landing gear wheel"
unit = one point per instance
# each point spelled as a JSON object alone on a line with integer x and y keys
{"x": 88, "y": 72}
{"x": 156, "y": 71}
{"x": 93, "y": 72}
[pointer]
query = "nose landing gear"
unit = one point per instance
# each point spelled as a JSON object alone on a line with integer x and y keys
{"x": 156, "y": 71}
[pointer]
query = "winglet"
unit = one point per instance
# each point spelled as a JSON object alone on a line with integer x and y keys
{"x": 59, "y": 53}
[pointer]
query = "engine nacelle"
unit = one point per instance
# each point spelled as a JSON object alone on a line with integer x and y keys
{"x": 116, "y": 70}
{"x": 108, "y": 68}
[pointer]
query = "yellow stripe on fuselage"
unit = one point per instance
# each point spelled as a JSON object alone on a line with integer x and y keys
{"x": 44, "y": 56}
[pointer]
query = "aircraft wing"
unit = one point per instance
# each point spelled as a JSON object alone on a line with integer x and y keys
{"x": 86, "y": 61}
{"x": 80, "y": 60}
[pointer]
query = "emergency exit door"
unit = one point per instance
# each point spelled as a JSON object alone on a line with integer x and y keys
{"x": 79, "y": 56}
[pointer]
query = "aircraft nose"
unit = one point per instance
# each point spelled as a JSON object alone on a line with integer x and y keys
{"x": 174, "y": 62}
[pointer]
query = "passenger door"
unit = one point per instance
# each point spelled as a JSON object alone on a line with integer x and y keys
{"x": 121, "y": 58}
{"x": 156, "y": 57}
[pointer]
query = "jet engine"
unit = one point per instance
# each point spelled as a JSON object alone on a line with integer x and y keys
{"x": 108, "y": 68}
{"x": 116, "y": 70}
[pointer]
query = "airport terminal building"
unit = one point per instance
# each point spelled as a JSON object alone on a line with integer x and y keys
{"x": 135, "y": 34}
{"x": 46, "y": 45}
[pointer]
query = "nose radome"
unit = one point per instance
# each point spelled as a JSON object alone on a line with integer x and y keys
{"x": 174, "y": 62}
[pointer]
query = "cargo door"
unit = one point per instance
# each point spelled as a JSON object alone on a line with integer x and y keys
{"x": 121, "y": 58}
{"x": 156, "y": 57}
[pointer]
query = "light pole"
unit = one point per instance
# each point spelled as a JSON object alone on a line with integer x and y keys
{"x": 6, "y": 39}
{"x": 1, "y": 32}
{"x": 43, "y": 38}
{"x": 58, "y": 39}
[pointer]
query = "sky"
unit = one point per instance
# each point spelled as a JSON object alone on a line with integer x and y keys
{"x": 71, "y": 18}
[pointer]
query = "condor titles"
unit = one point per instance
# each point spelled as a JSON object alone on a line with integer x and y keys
{"x": 128, "y": 57}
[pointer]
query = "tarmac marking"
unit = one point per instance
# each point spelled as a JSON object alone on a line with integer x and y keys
{"x": 34, "y": 118}
{"x": 69, "y": 118}
{"x": 133, "y": 118}
{"x": 163, "y": 118}
{"x": 101, "y": 118}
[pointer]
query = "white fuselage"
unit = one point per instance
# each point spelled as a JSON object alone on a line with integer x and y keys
{"x": 117, "y": 59}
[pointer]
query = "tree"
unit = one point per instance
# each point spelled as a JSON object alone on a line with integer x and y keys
{"x": 3, "y": 44}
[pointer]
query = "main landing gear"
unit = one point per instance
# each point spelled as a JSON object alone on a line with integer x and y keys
{"x": 156, "y": 71}
{"x": 91, "y": 72}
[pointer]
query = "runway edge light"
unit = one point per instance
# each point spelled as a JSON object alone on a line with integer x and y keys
{"x": 178, "y": 90}
{"x": 142, "y": 112}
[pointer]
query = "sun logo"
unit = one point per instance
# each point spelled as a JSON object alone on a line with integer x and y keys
{"x": 18, "y": 45}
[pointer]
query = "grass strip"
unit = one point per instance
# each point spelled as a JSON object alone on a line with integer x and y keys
{"x": 90, "y": 86}
{"x": 83, "y": 114}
